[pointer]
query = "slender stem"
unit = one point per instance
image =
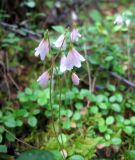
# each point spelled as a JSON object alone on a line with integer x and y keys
{"x": 128, "y": 53}
{"x": 60, "y": 92}
{"x": 19, "y": 140}
{"x": 51, "y": 105}
{"x": 88, "y": 69}
{"x": 51, "y": 80}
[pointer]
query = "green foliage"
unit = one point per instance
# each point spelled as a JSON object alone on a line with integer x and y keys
{"x": 76, "y": 157}
{"x": 36, "y": 155}
{"x": 129, "y": 155}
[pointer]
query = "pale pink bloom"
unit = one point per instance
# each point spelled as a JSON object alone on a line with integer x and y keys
{"x": 43, "y": 79}
{"x": 73, "y": 59}
{"x": 119, "y": 20}
{"x": 74, "y": 16}
{"x": 60, "y": 42}
{"x": 42, "y": 49}
{"x": 127, "y": 22}
{"x": 75, "y": 79}
{"x": 74, "y": 35}
{"x": 58, "y": 4}
{"x": 63, "y": 64}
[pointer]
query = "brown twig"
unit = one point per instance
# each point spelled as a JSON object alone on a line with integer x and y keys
{"x": 120, "y": 78}
{"x": 21, "y": 31}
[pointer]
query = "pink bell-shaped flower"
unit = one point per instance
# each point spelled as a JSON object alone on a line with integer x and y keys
{"x": 60, "y": 42}
{"x": 63, "y": 64}
{"x": 119, "y": 20}
{"x": 73, "y": 59}
{"x": 43, "y": 79}
{"x": 75, "y": 79}
{"x": 74, "y": 35}
{"x": 127, "y": 22}
{"x": 42, "y": 49}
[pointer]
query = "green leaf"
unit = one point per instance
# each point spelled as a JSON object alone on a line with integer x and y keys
{"x": 59, "y": 29}
{"x": 32, "y": 121}
{"x": 100, "y": 98}
{"x": 130, "y": 154}
{"x": 57, "y": 155}
{"x": 36, "y": 111}
{"x": 76, "y": 157}
{"x": 119, "y": 97}
{"x": 78, "y": 105}
{"x": 116, "y": 141}
{"x": 111, "y": 87}
{"x": 10, "y": 137}
{"x": 3, "y": 149}
{"x": 22, "y": 97}
{"x": 76, "y": 116}
{"x": 132, "y": 119}
{"x": 102, "y": 128}
{"x": 109, "y": 58}
{"x": 127, "y": 122}
{"x": 120, "y": 118}
{"x": 112, "y": 98}
{"x": 1, "y": 129}
{"x": 128, "y": 130}
{"x": 69, "y": 113}
{"x": 116, "y": 107}
{"x": 102, "y": 105}
{"x": 95, "y": 15}
{"x": 10, "y": 122}
{"x": 21, "y": 113}
{"x": 62, "y": 138}
{"x": 42, "y": 101}
{"x": 30, "y": 4}
{"x": 109, "y": 120}
{"x": 93, "y": 109}
{"x": 28, "y": 91}
{"x": 107, "y": 137}
{"x": 66, "y": 124}
{"x": 36, "y": 155}
{"x": 1, "y": 138}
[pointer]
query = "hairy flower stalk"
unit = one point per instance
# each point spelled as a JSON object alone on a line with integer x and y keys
{"x": 75, "y": 35}
{"x": 43, "y": 79}
{"x": 60, "y": 42}
{"x": 42, "y": 49}
{"x": 73, "y": 59}
{"x": 75, "y": 79}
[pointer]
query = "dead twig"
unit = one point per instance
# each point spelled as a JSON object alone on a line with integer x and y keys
{"x": 21, "y": 31}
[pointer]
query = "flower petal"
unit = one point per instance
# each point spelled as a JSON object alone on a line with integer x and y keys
{"x": 60, "y": 42}
{"x": 74, "y": 35}
{"x": 74, "y": 59}
{"x": 42, "y": 49}
{"x": 43, "y": 79}
{"x": 75, "y": 79}
{"x": 63, "y": 64}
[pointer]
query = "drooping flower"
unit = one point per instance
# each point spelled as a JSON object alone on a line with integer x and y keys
{"x": 74, "y": 16}
{"x": 75, "y": 79}
{"x": 74, "y": 35}
{"x": 73, "y": 59}
{"x": 119, "y": 20}
{"x": 60, "y": 42}
{"x": 63, "y": 64}
{"x": 43, "y": 79}
{"x": 42, "y": 49}
{"x": 127, "y": 22}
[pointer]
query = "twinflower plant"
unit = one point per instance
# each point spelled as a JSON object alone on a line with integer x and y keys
{"x": 68, "y": 58}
